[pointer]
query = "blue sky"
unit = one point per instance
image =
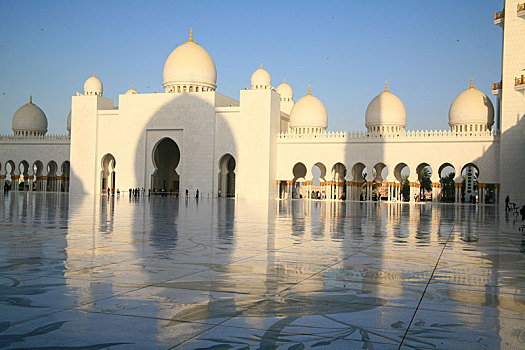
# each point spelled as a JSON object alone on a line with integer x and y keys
{"x": 427, "y": 50}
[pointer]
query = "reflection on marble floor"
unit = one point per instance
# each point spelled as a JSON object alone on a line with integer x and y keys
{"x": 93, "y": 273}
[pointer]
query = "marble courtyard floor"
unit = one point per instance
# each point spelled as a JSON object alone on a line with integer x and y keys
{"x": 93, "y": 273}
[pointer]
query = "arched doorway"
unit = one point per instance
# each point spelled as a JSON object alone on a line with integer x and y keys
{"x": 402, "y": 173}
{"x": 298, "y": 181}
{"x": 52, "y": 168}
{"x": 23, "y": 167}
{"x": 166, "y": 158}
{"x": 64, "y": 186}
{"x": 469, "y": 188}
{"x": 38, "y": 176}
{"x": 10, "y": 183}
{"x": 447, "y": 173}
{"x": 226, "y": 176}
{"x": 338, "y": 186}
{"x": 424, "y": 177}
{"x": 107, "y": 175}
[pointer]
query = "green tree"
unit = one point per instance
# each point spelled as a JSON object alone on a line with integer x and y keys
{"x": 405, "y": 188}
{"x": 426, "y": 183}
{"x": 447, "y": 188}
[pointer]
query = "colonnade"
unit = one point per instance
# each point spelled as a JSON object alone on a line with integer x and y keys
{"x": 363, "y": 191}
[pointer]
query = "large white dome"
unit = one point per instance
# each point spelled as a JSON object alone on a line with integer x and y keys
{"x": 386, "y": 109}
{"x": 189, "y": 68}
{"x": 309, "y": 112}
{"x": 261, "y": 79}
{"x": 285, "y": 91}
{"x": 93, "y": 86}
{"x": 471, "y": 107}
{"x": 29, "y": 119}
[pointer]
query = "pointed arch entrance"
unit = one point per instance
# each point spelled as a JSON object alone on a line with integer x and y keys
{"x": 107, "y": 175}
{"x": 166, "y": 157}
{"x": 226, "y": 176}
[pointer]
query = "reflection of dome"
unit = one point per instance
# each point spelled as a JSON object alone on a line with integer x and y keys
{"x": 68, "y": 127}
{"x": 189, "y": 68}
{"x": 131, "y": 91}
{"x": 472, "y": 110}
{"x": 29, "y": 120}
{"x": 308, "y": 115}
{"x": 386, "y": 112}
{"x": 93, "y": 86}
{"x": 261, "y": 79}
{"x": 285, "y": 91}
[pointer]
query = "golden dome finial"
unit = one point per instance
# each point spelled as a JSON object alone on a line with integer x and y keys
{"x": 471, "y": 83}
{"x": 191, "y": 35}
{"x": 93, "y": 73}
{"x": 309, "y": 90}
{"x": 284, "y": 80}
{"x": 261, "y": 66}
{"x": 386, "y": 86}
{"x": 30, "y": 99}
{"x": 132, "y": 86}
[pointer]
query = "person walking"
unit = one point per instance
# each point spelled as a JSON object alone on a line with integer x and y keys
{"x": 197, "y": 193}
{"x": 507, "y": 201}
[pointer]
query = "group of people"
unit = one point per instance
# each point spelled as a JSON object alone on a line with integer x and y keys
{"x": 509, "y": 207}
{"x": 136, "y": 192}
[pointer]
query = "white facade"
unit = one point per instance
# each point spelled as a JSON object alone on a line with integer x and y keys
{"x": 263, "y": 145}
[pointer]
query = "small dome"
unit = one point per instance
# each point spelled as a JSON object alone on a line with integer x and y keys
{"x": 93, "y": 86}
{"x": 309, "y": 112}
{"x": 471, "y": 107}
{"x": 131, "y": 91}
{"x": 386, "y": 109}
{"x": 261, "y": 79}
{"x": 68, "y": 127}
{"x": 285, "y": 91}
{"x": 29, "y": 119}
{"x": 189, "y": 65}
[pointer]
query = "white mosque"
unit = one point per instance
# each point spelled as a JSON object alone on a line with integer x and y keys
{"x": 266, "y": 145}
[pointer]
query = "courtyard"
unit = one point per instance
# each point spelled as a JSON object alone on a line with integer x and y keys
{"x": 83, "y": 272}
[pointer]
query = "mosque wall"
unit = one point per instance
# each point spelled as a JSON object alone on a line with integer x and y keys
{"x": 45, "y": 149}
{"x": 513, "y": 104}
{"x": 84, "y": 151}
{"x": 259, "y": 123}
{"x": 478, "y": 150}
{"x": 144, "y": 120}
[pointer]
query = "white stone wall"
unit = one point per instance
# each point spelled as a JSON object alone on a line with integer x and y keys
{"x": 145, "y": 119}
{"x": 259, "y": 124}
{"x": 333, "y": 148}
{"x": 512, "y": 156}
{"x": 44, "y": 149}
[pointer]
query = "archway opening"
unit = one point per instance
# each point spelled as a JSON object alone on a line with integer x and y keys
{"x": 447, "y": 173}
{"x": 380, "y": 185}
{"x": 226, "y": 176}
{"x": 166, "y": 158}
{"x": 9, "y": 175}
{"x": 469, "y": 187}
{"x": 52, "y": 168}
{"x": 402, "y": 173}
{"x": 38, "y": 180}
{"x": 107, "y": 175}
{"x": 299, "y": 178}
{"x": 23, "y": 168}
{"x": 424, "y": 177}
{"x": 64, "y": 185}
{"x": 318, "y": 181}
{"x": 338, "y": 186}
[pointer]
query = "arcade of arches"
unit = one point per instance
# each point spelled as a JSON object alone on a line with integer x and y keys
{"x": 23, "y": 176}
{"x": 362, "y": 183}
